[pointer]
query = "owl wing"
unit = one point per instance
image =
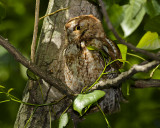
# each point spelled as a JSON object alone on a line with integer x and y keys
{"x": 112, "y": 51}
{"x": 113, "y": 97}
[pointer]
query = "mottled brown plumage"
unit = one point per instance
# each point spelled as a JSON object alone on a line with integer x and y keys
{"x": 82, "y": 66}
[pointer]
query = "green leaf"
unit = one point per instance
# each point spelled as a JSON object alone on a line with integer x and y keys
{"x": 11, "y": 89}
{"x": 153, "y": 24}
{"x": 123, "y": 49}
{"x": 149, "y": 41}
{"x": 156, "y": 6}
{"x": 152, "y": 8}
{"x": 134, "y": 13}
{"x": 31, "y": 75}
{"x": 92, "y": 48}
{"x": 84, "y": 101}
{"x": 115, "y": 16}
{"x": 63, "y": 121}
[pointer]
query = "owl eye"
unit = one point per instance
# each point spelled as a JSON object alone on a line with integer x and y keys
{"x": 77, "y": 28}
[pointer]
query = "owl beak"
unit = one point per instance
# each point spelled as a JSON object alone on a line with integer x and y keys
{"x": 69, "y": 30}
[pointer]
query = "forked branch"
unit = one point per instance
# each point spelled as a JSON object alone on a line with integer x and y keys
{"x": 128, "y": 74}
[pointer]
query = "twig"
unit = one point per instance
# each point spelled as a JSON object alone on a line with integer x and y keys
{"x": 53, "y": 13}
{"x": 104, "y": 116}
{"x": 33, "y": 45}
{"x": 125, "y": 75}
{"x": 129, "y": 45}
{"x": 61, "y": 87}
{"x": 151, "y": 74}
{"x": 28, "y": 121}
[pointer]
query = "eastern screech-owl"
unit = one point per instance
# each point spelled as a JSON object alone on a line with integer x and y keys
{"x": 82, "y": 66}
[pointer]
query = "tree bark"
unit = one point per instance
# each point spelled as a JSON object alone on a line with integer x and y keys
{"x": 49, "y": 58}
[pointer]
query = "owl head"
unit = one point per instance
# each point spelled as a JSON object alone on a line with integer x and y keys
{"x": 82, "y": 28}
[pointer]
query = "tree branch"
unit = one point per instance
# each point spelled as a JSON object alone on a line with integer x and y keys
{"x": 61, "y": 87}
{"x": 146, "y": 83}
{"x": 125, "y": 75}
{"x": 129, "y": 45}
{"x": 33, "y": 46}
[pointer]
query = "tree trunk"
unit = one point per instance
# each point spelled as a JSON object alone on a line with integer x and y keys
{"x": 49, "y": 59}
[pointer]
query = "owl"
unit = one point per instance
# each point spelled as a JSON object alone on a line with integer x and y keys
{"x": 82, "y": 66}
